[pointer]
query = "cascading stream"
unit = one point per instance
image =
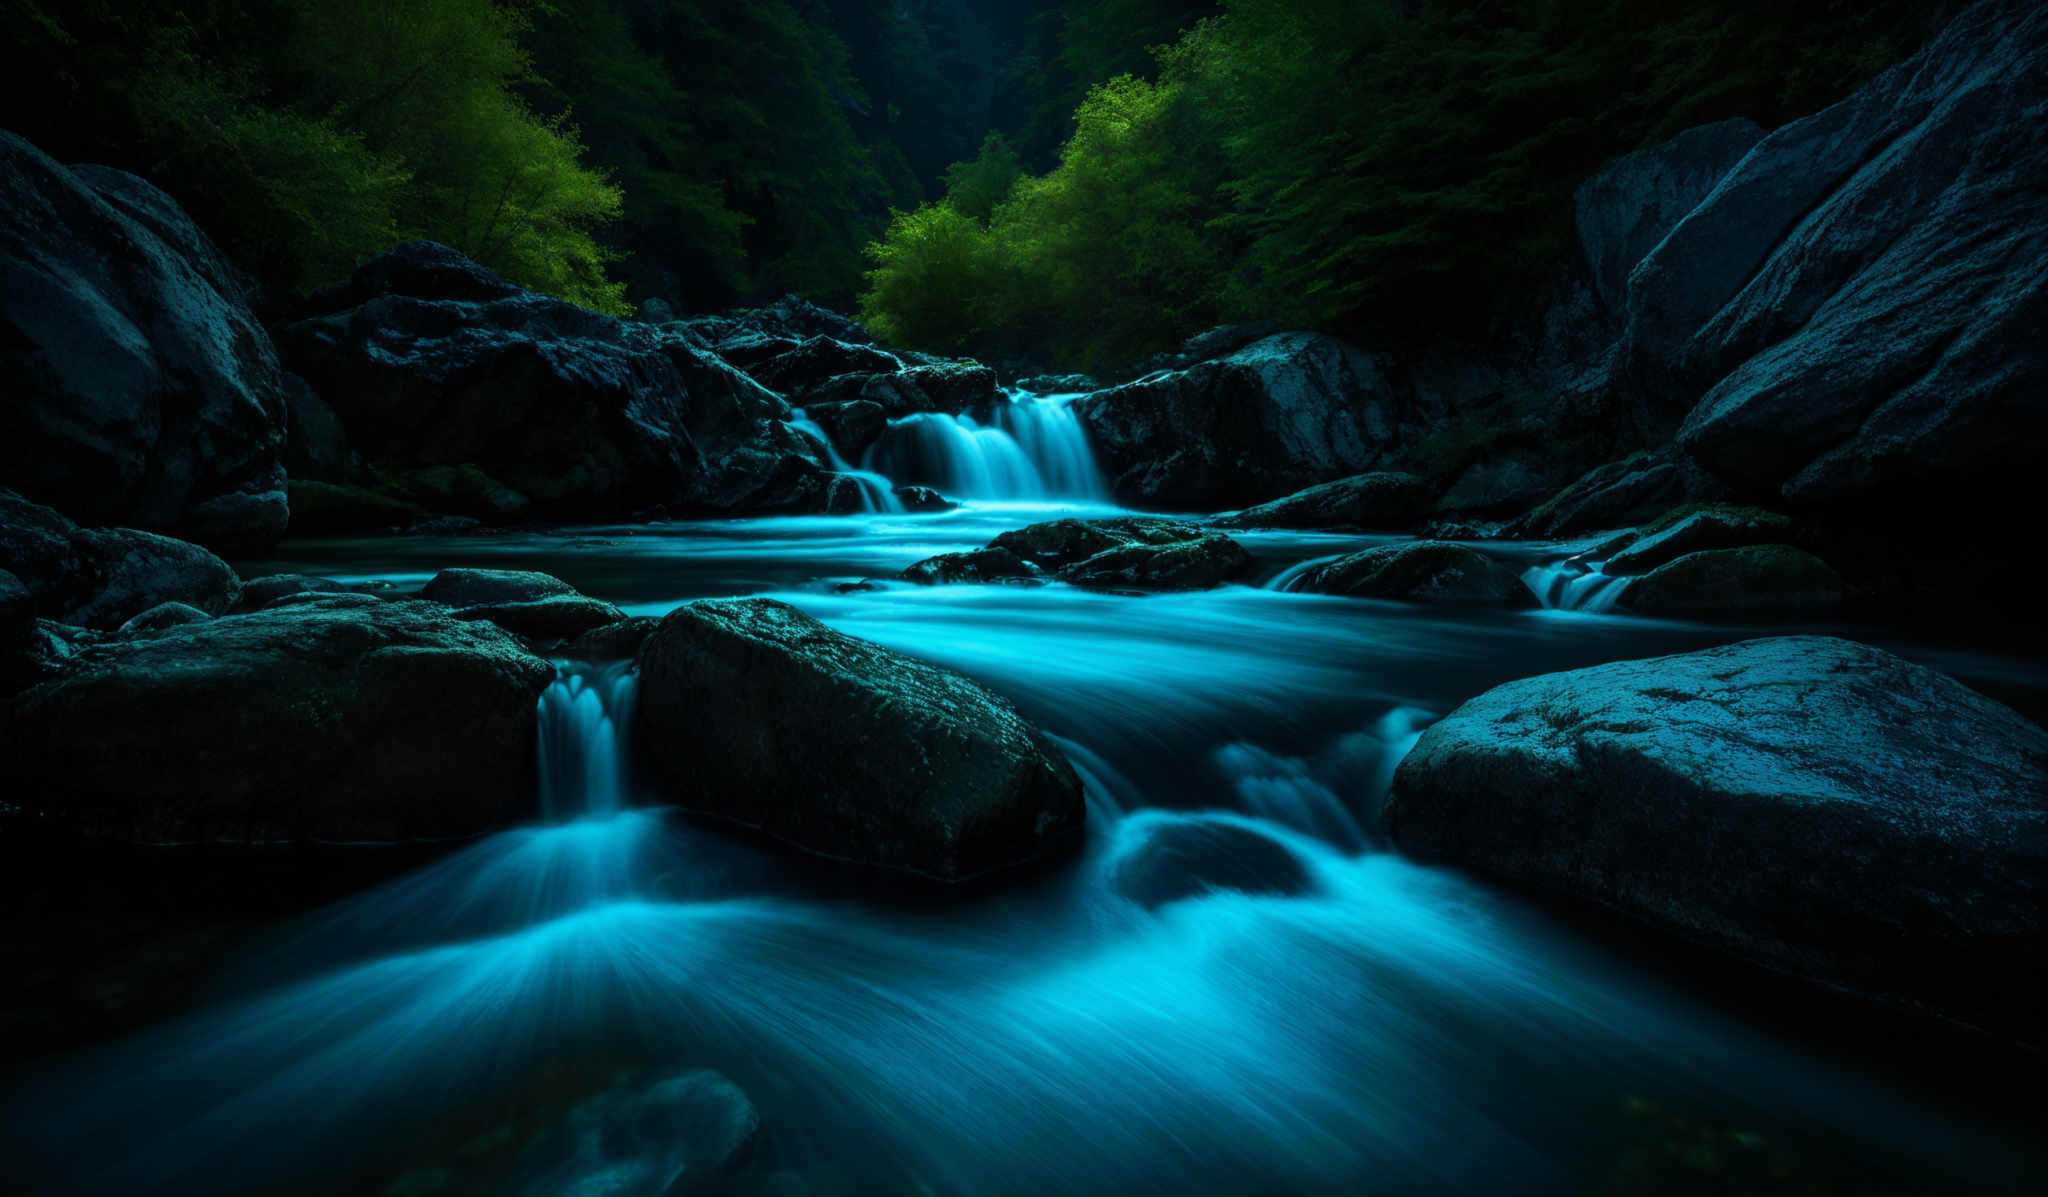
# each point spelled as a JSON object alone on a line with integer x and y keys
{"x": 584, "y": 717}
{"x": 877, "y": 493}
{"x": 1033, "y": 447}
{"x": 1575, "y": 585}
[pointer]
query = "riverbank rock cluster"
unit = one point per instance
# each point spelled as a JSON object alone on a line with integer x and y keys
{"x": 1133, "y": 553}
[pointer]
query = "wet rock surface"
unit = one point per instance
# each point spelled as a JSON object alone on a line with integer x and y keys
{"x": 1424, "y": 571}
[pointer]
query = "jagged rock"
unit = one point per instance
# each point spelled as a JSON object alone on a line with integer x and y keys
{"x": 1622, "y": 212}
{"x": 1767, "y": 579}
{"x": 755, "y": 714}
{"x": 1059, "y": 384}
{"x": 1422, "y": 571}
{"x": 1281, "y": 414}
{"x": 1189, "y": 858}
{"x": 388, "y": 721}
{"x": 1056, "y": 544}
{"x": 818, "y": 360}
{"x": 1387, "y": 501}
{"x": 1128, "y": 553}
{"x": 1852, "y": 319}
{"x": 1716, "y": 527}
{"x": 543, "y": 408}
{"x": 141, "y": 388}
{"x": 1623, "y": 492}
{"x": 1816, "y": 806}
{"x": 853, "y": 425}
{"x": 980, "y": 565}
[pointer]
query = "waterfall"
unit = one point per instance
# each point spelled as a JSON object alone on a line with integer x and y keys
{"x": 1033, "y": 448}
{"x": 584, "y": 716}
{"x": 1574, "y": 585}
{"x": 1289, "y": 578}
{"x": 877, "y": 494}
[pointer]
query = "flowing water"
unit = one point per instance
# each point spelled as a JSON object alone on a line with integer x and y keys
{"x": 1032, "y": 448}
{"x": 1389, "y": 1029}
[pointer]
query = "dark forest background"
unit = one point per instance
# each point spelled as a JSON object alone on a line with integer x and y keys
{"x": 1079, "y": 182}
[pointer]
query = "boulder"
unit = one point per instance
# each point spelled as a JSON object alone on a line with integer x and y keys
{"x": 618, "y": 641}
{"x": 557, "y": 617}
{"x": 1183, "y": 857}
{"x": 433, "y": 364}
{"x": 1851, "y": 320}
{"x": 470, "y": 587}
{"x": 1760, "y": 580}
{"x": 980, "y": 565}
{"x": 1386, "y": 501}
{"x": 852, "y": 426}
{"x": 755, "y": 714}
{"x": 1283, "y": 413}
{"x": 164, "y": 615}
{"x": 1812, "y": 805}
{"x": 141, "y": 388}
{"x": 1622, "y": 212}
{"x": 103, "y": 577}
{"x": 922, "y": 499}
{"x": 1720, "y": 526}
{"x": 1128, "y": 553}
{"x": 258, "y": 593}
{"x": 1422, "y": 571}
{"x": 1620, "y": 493}
{"x": 817, "y": 360}
{"x": 313, "y": 721}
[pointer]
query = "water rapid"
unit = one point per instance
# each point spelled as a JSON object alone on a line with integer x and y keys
{"x": 877, "y": 494}
{"x": 1031, "y": 447}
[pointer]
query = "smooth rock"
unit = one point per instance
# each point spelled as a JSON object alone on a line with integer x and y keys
{"x": 164, "y": 615}
{"x": 471, "y": 587}
{"x": 1768, "y": 579}
{"x": 753, "y": 713}
{"x": 614, "y": 641}
{"x": 1189, "y": 858}
{"x": 1717, "y": 527}
{"x": 1809, "y": 804}
{"x": 556, "y": 617}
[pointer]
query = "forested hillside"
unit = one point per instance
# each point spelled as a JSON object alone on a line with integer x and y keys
{"x": 1080, "y": 183}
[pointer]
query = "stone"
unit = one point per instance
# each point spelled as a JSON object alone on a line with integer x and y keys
{"x": 980, "y": 565}
{"x": 161, "y": 616}
{"x": 1383, "y": 501}
{"x": 1760, "y": 580}
{"x": 1422, "y": 571}
{"x": 754, "y": 714}
{"x": 1812, "y": 805}
{"x": 471, "y": 587}
{"x": 1183, "y": 858}
{"x": 1720, "y": 526}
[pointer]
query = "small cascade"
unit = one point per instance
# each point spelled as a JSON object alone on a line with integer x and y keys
{"x": 1033, "y": 448}
{"x": 1290, "y": 791}
{"x": 1290, "y": 578}
{"x": 1574, "y": 585}
{"x": 877, "y": 493}
{"x": 584, "y": 717}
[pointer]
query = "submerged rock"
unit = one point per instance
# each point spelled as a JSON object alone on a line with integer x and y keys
{"x": 1718, "y": 527}
{"x": 141, "y": 389}
{"x": 1768, "y": 579}
{"x": 313, "y": 721}
{"x": 1127, "y": 553}
{"x": 1182, "y": 857}
{"x": 1422, "y": 571}
{"x": 1813, "y": 805}
{"x": 1383, "y": 501}
{"x": 980, "y": 565}
{"x": 753, "y": 713}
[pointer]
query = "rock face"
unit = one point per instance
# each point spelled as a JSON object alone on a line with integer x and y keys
{"x": 467, "y": 394}
{"x": 1622, "y": 212}
{"x": 103, "y": 577}
{"x": 1853, "y": 316}
{"x": 756, "y": 714}
{"x": 1384, "y": 501}
{"x": 1637, "y": 488}
{"x": 1766, "y": 579}
{"x": 1422, "y": 571}
{"x": 310, "y": 721}
{"x": 1283, "y": 413}
{"x": 1816, "y": 806}
{"x": 141, "y": 389}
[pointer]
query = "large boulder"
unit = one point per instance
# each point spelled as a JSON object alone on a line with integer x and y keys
{"x": 102, "y": 577}
{"x": 141, "y": 389}
{"x": 1421, "y": 571}
{"x": 1126, "y": 553}
{"x": 1853, "y": 317}
{"x": 1620, "y": 493}
{"x": 443, "y": 374}
{"x": 311, "y": 721}
{"x": 1385, "y": 501}
{"x": 755, "y": 714}
{"x": 1622, "y": 212}
{"x": 1758, "y": 580}
{"x": 1283, "y": 413}
{"x": 1813, "y": 805}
